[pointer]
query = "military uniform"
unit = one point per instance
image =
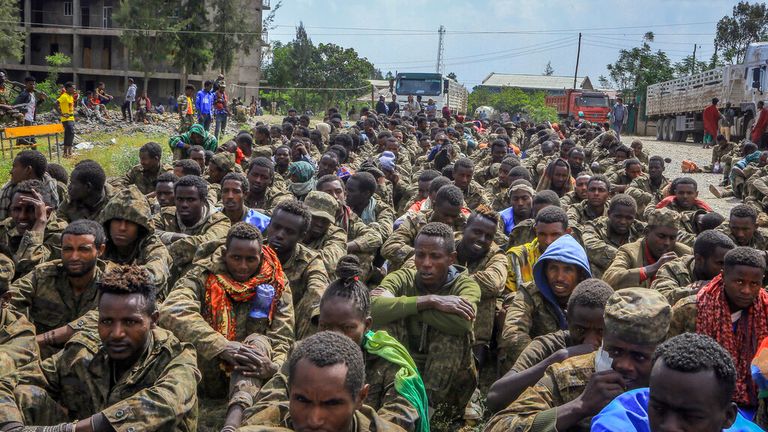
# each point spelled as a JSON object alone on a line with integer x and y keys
{"x": 33, "y": 248}
{"x": 475, "y": 195}
{"x": 522, "y": 233}
{"x": 601, "y": 250}
{"x": 185, "y": 120}
{"x": 159, "y": 393}
{"x": 646, "y": 193}
{"x": 276, "y": 417}
{"x": 569, "y": 199}
{"x": 440, "y": 343}
{"x": 580, "y": 213}
{"x": 759, "y": 239}
{"x": 306, "y": 273}
{"x": 498, "y": 195}
{"x": 148, "y": 251}
{"x": 47, "y": 299}
{"x": 213, "y": 225}
{"x": 399, "y": 246}
{"x": 183, "y": 312}
{"x": 71, "y": 211}
{"x": 490, "y": 273}
{"x": 673, "y": 278}
{"x": 381, "y": 220}
{"x": 137, "y": 176}
{"x": 540, "y": 348}
{"x": 57, "y": 189}
{"x": 272, "y": 197}
{"x": 625, "y": 269}
{"x": 17, "y": 341}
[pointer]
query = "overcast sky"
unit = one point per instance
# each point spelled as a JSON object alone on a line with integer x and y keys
{"x": 504, "y": 36}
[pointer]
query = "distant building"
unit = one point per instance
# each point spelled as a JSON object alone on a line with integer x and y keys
{"x": 551, "y": 84}
{"x": 84, "y": 31}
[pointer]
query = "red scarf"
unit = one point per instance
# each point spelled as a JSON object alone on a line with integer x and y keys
{"x": 714, "y": 320}
{"x": 668, "y": 200}
{"x": 221, "y": 291}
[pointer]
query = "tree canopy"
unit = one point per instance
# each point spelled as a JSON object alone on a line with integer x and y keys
{"x": 638, "y": 67}
{"x": 513, "y": 100}
{"x": 748, "y": 23}
{"x": 11, "y": 41}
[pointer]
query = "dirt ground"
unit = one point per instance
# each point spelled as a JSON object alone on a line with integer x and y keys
{"x": 678, "y": 152}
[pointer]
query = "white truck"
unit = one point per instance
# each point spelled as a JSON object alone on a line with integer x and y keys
{"x": 443, "y": 90}
{"x": 677, "y": 105}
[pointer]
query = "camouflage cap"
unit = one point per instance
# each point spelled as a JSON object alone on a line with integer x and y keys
{"x": 638, "y": 316}
{"x": 225, "y": 161}
{"x": 664, "y": 217}
{"x": 321, "y": 204}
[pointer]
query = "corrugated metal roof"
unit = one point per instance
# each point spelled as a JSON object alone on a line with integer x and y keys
{"x": 542, "y": 82}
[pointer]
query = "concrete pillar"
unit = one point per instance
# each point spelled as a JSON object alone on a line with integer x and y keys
{"x": 77, "y": 50}
{"x": 28, "y": 37}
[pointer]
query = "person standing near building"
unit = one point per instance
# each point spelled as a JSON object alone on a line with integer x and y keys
{"x": 618, "y": 115}
{"x": 220, "y": 109}
{"x": 711, "y": 117}
{"x": 130, "y": 98}
{"x": 204, "y": 105}
{"x": 66, "y": 111}
{"x": 727, "y": 121}
{"x": 186, "y": 108}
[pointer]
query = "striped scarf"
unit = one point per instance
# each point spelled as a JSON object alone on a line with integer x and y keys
{"x": 740, "y": 339}
{"x": 221, "y": 291}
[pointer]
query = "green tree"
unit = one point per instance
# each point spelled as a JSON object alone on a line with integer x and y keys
{"x": 193, "y": 51}
{"x": 480, "y": 96}
{"x": 235, "y": 34}
{"x": 11, "y": 41}
{"x": 452, "y": 76}
{"x": 604, "y": 82}
{"x": 50, "y": 86}
{"x": 548, "y": 71}
{"x": 748, "y": 23}
{"x": 637, "y": 68}
{"x": 686, "y": 66}
{"x": 152, "y": 36}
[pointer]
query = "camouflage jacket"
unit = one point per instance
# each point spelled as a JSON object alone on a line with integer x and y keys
{"x": 73, "y": 210}
{"x": 475, "y": 195}
{"x": 540, "y": 348}
{"x": 673, "y": 278}
{"x": 33, "y": 248}
{"x": 213, "y": 226}
{"x": 17, "y": 341}
{"x": 272, "y": 197}
{"x": 569, "y": 199}
{"x": 759, "y": 239}
{"x": 490, "y": 273}
{"x": 626, "y": 269}
{"x": 497, "y": 194}
{"x": 384, "y": 219}
{"x": 718, "y": 152}
{"x": 137, "y": 177}
{"x": 645, "y": 193}
{"x": 58, "y": 194}
{"x": 399, "y": 246}
{"x": 536, "y": 408}
{"x": 601, "y": 250}
{"x": 331, "y": 247}
{"x": 158, "y": 394}
{"x": 276, "y": 417}
{"x": 522, "y": 233}
{"x": 306, "y": 273}
{"x": 580, "y": 213}
{"x": 528, "y": 316}
{"x": 366, "y": 238}
{"x": 45, "y": 297}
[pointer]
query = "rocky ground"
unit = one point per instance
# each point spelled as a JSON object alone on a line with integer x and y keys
{"x": 678, "y": 152}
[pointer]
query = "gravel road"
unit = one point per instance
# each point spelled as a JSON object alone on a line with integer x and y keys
{"x": 678, "y": 152}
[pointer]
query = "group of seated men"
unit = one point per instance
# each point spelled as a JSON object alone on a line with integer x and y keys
{"x": 363, "y": 278}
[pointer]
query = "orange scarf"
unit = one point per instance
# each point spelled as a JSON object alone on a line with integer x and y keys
{"x": 714, "y": 319}
{"x": 221, "y": 291}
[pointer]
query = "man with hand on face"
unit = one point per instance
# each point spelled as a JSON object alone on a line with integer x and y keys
{"x": 326, "y": 391}
{"x": 585, "y": 311}
{"x": 684, "y": 276}
{"x": 192, "y": 222}
{"x": 690, "y": 390}
{"x": 236, "y": 307}
{"x": 603, "y": 236}
{"x": 431, "y": 311}
{"x": 636, "y": 263}
{"x": 131, "y": 375}
{"x": 57, "y": 293}
{"x": 32, "y": 232}
{"x": 571, "y": 392}
{"x": 303, "y": 266}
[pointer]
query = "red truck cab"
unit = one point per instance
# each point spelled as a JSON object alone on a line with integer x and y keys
{"x": 593, "y": 104}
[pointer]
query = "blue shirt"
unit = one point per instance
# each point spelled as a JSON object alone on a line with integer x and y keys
{"x": 204, "y": 102}
{"x": 629, "y": 413}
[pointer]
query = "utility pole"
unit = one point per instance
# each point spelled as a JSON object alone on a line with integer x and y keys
{"x": 440, "y": 49}
{"x": 576, "y": 72}
{"x": 693, "y": 65}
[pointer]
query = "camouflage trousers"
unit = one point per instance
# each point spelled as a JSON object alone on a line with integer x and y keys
{"x": 187, "y": 120}
{"x": 219, "y": 384}
{"x": 38, "y": 408}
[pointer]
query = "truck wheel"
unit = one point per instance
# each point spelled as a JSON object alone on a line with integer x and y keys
{"x": 698, "y": 137}
{"x": 671, "y": 130}
{"x": 679, "y": 136}
{"x": 664, "y": 123}
{"x": 659, "y": 129}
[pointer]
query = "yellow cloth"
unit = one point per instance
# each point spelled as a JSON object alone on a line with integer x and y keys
{"x": 521, "y": 261}
{"x": 67, "y": 107}
{"x": 190, "y": 106}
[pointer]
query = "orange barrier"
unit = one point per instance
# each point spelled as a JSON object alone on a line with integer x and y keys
{"x": 8, "y": 135}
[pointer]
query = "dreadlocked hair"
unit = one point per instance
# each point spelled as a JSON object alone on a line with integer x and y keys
{"x": 130, "y": 279}
{"x": 348, "y": 286}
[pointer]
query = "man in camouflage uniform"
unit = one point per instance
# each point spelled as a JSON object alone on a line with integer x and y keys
{"x": 721, "y": 154}
{"x": 32, "y": 232}
{"x": 742, "y": 228}
{"x": 446, "y": 209}
{"x": 143, "y": 379}
{"x": 603, "y": 236}
{"x": 186, "y": 108}
{"x": 579, "y": 192}
{"x": 88, "y": 192}
{"x": 323, "y": 235}
{"x": 61, "y": 291}
{"x": 30, "y": 165}
{"x": 144, "y": 175}
{"x": 595, "y": 206}
{"x": 498, "y": 187}
{"x": 571, "y": 392}
{"x": 636, "y": 263}
{"x": 128, "y": 212}
{"x": 621, "y": 179}
{"x": 432, "y": 316}
{"x": 474, "y": 194}
{"x": 685, "y": 275}
{"x": 372, "y": 210}
{"x": 333, "y": 361}
{"x": 266, "y": 334}
{"x": 190, "y": 224}
{"x": 17, "y": 338}
{"x": 265, "y": 192}
{"x": 303, "y": 266}
{"x": 648, "y": 190}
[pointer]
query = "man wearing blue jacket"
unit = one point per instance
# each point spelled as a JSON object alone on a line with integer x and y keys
{"x": 204, "y": 105}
